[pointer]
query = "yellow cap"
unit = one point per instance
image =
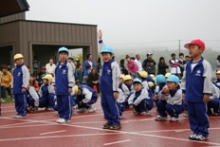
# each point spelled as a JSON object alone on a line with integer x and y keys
{"x": 48, "y": 77}
{"x": 122, "y": 77}
{"x": 151, "y": 84}
{"x": 143, "y": 74}
{"x": 218, "y": 72}
{"x": 127, "y": 77}
{"x": 167, "y": 75}
{"x": 75, "y": 89}
{"x": 152, "y": 76}
{"x": 18, "y": 56}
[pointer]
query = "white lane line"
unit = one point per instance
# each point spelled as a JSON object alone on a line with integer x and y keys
{"x": 57, "y": 136}
{"x": 26, "y": 126}
{"x": 54, "y": 132}
{"x": 22, "y": 123}
{"x": 116, "y": 142}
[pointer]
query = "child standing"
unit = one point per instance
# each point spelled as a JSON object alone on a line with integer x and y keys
{"x": 140, "y": 100}
{"x": 217, "y": 82}
{"x": 20, "y": 84}
{"x": 197, "y": 88}
{"x": 170, "y": 100}
{"x": 79, "y": 74}
{"x": 64, "y": 81}
{"x": 109, "y": 89}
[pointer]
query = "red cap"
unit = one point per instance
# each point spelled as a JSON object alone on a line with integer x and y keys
{"x": 198, "y": 42}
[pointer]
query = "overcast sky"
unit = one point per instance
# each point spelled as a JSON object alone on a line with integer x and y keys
{"x": 138, "y": 23}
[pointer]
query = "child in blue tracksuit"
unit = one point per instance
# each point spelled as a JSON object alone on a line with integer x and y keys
{"x": 109, "y": 84}
{"x": 20, "y": 84}
{"x": 160, "y": 83}
{"x": 217, "y": 82}
{"x": 140, "y": 100}
{"x": 47, "y": 93}
{"x": 64, "y": 81}
{"x": 197, "y": 88}
{"x": 214, "y": 102}
{"x": 170, "y": 100}
{"x": 128, "y": 83}
{"x": 85, "y": 97}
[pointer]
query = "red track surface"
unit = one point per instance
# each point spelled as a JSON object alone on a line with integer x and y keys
{"x": 85, "y": 130}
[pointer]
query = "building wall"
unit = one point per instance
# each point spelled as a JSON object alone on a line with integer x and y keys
{"x": 19, "y": 16}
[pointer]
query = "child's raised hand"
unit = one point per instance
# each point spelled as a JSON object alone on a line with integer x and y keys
{"x": 100, "y": 34}
{"x": 206, "y": 98}
{"x": 115, "y": 94}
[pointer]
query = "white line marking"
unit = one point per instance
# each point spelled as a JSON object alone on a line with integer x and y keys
{"x": 54, "y": 132}
{"x": 2, "y": 126}
{"x": 26, "y": 126}
{"x": 116, "y": 142}
{"x": 58, "y": 136}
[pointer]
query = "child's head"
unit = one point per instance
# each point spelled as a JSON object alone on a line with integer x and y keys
{"x": 187, "y": 58}
{"x": 181, "y": 55}
{"x": 218, "y": 74}
{"x": 196, "y": 48}
{"x": 137, "y": 84}
{"x": 51, "y": 60}
{"x": 63, "y": 54}
{"x": 160, "y": 79}
{"x": 19, "y": 59}
{"x": 143, "y": 74}
{"x": 107, "y": 53}
{"x": 167, "y": 75}
{"x": 47, "y": 79}
{"x": 32, "y": 78}
{"x": 128, "y": 80}
{"x": 161, "y": 60}
{"x": 128, "y": 58}
{"x": 4, "y": 68}
{"x": 173, "y": 56}
{"x": 151, "y": 62}
{"x": 94, "y": 71}
{"x": 173, "y": 82}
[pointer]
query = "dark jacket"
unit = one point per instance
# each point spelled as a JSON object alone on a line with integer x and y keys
{"x": 162, "y": 68}
{"x": 146, "y": 63}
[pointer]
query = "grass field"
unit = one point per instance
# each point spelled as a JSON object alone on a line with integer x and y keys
{"x": 8, "y": 100}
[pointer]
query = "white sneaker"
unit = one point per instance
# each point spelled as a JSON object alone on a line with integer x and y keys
{"x": 193, "y": 137}
{"x": 200, "y": 138}
{"x": 173, "y": 119}
{"x": 92, "y": 110}
{"x": 18, "y": 117}
{"x": 144, "y": 113}
{"x": 61, "y": 120}
{"x": 160, "y": 118}
{"x": 50, "y": 109}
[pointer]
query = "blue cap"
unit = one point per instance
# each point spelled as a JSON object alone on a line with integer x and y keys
{"x": 173, "y": 78}
{"x": 160, "y": 79}
{"x": 107, "y": 49}
{"x": 136, "y": 80}
{"x": 63, "y": 49}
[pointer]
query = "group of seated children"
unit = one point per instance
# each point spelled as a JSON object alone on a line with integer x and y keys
{"x": 44, "y": 97}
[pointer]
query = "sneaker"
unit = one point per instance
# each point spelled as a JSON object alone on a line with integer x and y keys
{"x": 92, "y": 110}
{"x": 173, "y": 119}
{"x": 68, "y": 121}
{"x": 160, "y": 118}
{"x": 82, "y": 110}
{"x": 144, "y": 113}
{"x": 18, "y": 117}
{"x": 200, "y": 138}
{"x": 28, "y": 109}
{"x": 50, "y": 109}
{"x": 185, "y": 114}
{"x": 107, "y": 126}
{"x": 193, "y": 137}
{"x": 115, "y": 127}
{"x": 61, "y": 120}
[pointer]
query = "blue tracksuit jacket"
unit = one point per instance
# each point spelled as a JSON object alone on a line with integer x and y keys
{"x": 197, "y": 82}
{"x": 21, "y": 78}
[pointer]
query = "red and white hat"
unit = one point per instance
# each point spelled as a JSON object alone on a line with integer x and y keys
{"x": 198, "y": 42}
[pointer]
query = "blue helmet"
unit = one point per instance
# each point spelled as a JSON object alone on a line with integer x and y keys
{"x": 160, "y": 79}
{"x": 136, "y": 80}
{"x": 107, "y": 49}
{"x": 173, "y": 78}
{"x": 63, "y": 49}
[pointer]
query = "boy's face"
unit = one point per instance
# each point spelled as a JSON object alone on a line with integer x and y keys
{"x": 19, "y": 61}
{"x": 172, "y": 85}
{"x": 181, "y": 57}
{"x": 80, "y": 67}
{"x": 218, "y": 76}
{"x": 194, "y": 50}
{"x": 174, "y": 57}
{"x": 137, "y": 86}
{"x": 63, "y": 56}
{"x": 46, "y": 81}
{"x": 106, "y": 57}
{"x": 128, "y": 82}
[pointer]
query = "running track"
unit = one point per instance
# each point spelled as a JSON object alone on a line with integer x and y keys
{"x": 85, "y": 130}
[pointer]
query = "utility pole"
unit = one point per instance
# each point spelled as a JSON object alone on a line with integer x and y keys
{"x": 179, "y": 46}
